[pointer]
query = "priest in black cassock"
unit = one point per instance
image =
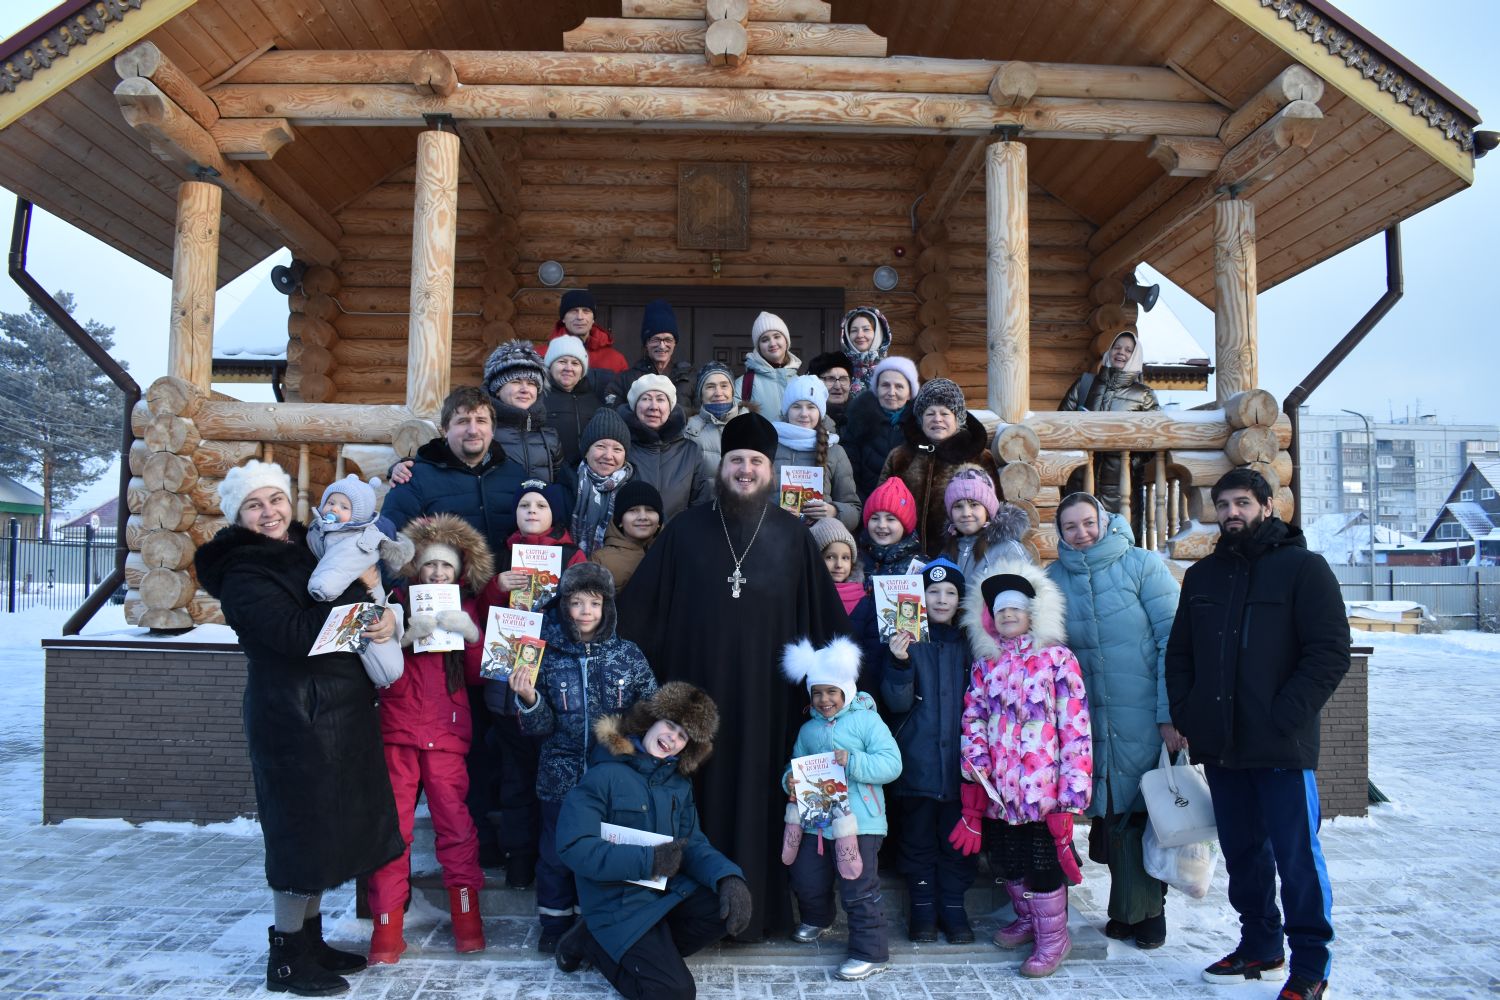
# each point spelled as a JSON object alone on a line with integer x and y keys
{"x": 724, "y": 588}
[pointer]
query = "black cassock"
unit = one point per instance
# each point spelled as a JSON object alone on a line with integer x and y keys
{"x": 680, "y": 609}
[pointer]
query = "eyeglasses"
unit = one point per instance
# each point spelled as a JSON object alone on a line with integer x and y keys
{"x": 837, "y": 380}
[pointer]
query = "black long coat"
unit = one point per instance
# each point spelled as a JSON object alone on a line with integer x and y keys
{"x": 868, "y": 438}
{"x": 1259, "y": 644}
{"x": 321, "y": 788}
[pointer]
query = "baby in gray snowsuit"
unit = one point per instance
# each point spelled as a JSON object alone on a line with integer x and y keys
{"x": 347, "y": 541}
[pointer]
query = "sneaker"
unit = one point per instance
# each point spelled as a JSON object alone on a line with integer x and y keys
{"x": 855, "y": 969}
{"x": 1235, "y": 968}
{"x": 1303, "y": 988}
{"x": 808, "y": 933}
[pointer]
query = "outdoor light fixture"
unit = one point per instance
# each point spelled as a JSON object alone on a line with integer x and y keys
{"x": 550, "y": 273}
{"x": 287, "y": 278}
{"x": 1484, "y": 142}
{"x": 1144, "y": 296}
{"x": 886, "y": 277}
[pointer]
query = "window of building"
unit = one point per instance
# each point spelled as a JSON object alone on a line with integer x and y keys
{"x": 1466, "y": 495}
{"x": 1450, "y": 531}
{"x": 1486, "y": 494}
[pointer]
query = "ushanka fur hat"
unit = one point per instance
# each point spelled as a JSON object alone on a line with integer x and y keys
{"x": 836, "y": 663}
{"x": 680, "y": 702}
{"x": 1048, "y": 609}
{"x": 431, "y": 534}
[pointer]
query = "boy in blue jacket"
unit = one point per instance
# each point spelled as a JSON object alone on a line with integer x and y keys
{"x": 843, "y": 723}
{"x": 637, "y": 936}
{"x": 923, "y": 690}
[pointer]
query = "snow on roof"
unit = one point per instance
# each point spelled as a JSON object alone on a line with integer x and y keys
{"x": 1474, "y": 519}
{"x": 251, "y": 315}
{"x": 13, "y": 492}
{"x": 1343, "y": 538}
{"x": 1489, "y": 468}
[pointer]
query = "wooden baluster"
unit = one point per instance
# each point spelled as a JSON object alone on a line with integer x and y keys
{"x": 1088, "y": 475}
{"x": 1125, "y": 487}
{"x": 268, "y": 452}
{"x": 1160, "y": 541}
{"x": 338, "y": 463}
{"x": 302, "y": 476}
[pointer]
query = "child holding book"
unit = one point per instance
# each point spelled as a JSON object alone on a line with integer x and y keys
{"x": 541, "y": 519}
{"x": 638, "y": 778}
{"x": 982, "y": 529}
{"x": 425, "y": 725}
{"x": 844, "y": 723}
{"x": 1026, "y": 737}
{"x": 887, "y": 545}
{"x": 587, "y": 671}
{"x": 923, "y": 692}
{"x": 635, "y": 524}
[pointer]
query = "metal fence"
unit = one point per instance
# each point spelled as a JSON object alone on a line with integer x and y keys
{"x": 1458, "y": 596}
{"x": 56, "y": 573}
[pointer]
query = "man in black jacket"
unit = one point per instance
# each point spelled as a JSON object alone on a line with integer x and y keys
{"x": 1259, "y": 644}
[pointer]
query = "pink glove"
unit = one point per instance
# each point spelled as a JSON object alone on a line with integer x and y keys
{"x": 791, "y": 842}
{"x": 1060, "y": 825}
{"x": 846, "y": 855}
{"x": 965, "y": 837}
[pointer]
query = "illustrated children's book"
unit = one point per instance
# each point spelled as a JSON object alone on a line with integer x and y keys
{"x": 799, "y": 484}
{"x": 512, "y": 639}
{"x": 341, "y": 632}
{"x": 542, "y": 565}
{"x": 899, "y": 608}
{"x": 636, "y": 838}
{"x": 433, "y": 599}
{"x": 822, "y": 790}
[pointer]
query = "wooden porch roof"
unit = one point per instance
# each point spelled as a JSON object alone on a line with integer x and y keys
{"x": 1394, "y": 141}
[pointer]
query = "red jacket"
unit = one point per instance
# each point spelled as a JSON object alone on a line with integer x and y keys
{"x": 417, "y": 710}
{"x": 496, "y": 596}
{"x": 600, "y": 344}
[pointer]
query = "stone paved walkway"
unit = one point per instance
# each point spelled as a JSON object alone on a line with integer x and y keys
{"x": 90, "y": 910}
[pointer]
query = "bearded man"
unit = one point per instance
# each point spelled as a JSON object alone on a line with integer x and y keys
{"x": 725, "y": 587}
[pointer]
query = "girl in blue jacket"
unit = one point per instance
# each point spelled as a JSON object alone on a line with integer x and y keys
{"x": 844, "y": 723}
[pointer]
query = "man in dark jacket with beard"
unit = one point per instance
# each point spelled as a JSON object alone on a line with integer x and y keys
{"x": 1260, "y": 642}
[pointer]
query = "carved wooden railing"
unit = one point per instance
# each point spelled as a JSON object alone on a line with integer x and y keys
{"x": 1189, "y": 449}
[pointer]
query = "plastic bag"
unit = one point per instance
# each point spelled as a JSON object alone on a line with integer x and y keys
{"x": 1189, "y": 869}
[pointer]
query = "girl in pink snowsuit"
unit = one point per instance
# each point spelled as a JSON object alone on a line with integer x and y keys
{"x": 1026, "y": 735}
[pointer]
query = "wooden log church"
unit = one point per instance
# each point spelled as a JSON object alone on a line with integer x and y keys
{"x": 1009, "y": 162}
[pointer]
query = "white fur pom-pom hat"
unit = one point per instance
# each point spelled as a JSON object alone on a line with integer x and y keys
{"x": 836, "y": 663}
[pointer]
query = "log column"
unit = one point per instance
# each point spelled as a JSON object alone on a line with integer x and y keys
{"x": 1007, "y": 281}
{"x": 434, "y": 241}
{"x": 195, "y": 278}
{"x": 1234, "y": 306}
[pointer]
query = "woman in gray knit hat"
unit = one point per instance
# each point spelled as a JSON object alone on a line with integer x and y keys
{"x": 718, "y": 403}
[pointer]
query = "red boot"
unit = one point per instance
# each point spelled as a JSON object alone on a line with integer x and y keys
{"x": 468, "y": 929}
{"x": 387, "y": 944}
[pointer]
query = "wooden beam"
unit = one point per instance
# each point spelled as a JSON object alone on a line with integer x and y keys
{"x": 435, "y": 218}
{"x": 726, "y": 43}
{"x": 487, "y": 172}
{"x": 1253, "y": 160}
{"x": 431, "y": 72}
{"x": 148, "y": 61}
{"x": 621, "y": 34}
{"x": 898, "y": 74}
{"x": 1014, "y": 84}
{"x": 1104, "y": 431}
{"x": 299, "y": 423}
{"x": 1235, "y": 335}
{"x": 1295, "y": 83}
{"x": 179, "y": 140}
{"x": 251, "y": 138}
{"x": 812, "y": 11}
{"x": 951, "y": 179}
{"x": 1187, "y": 156}
{"x": 705, "y": 107}
{"x": 195, "y": 271}
{"x": 294, "y": 194}
{"x": 1008, "y": 273}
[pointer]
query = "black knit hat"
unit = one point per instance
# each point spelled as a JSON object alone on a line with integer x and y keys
{"x": 576, "y": 298}
{"x": 752, "y": 431}
{"x": 511, "y": 362}
{"x": 941, "y": 392}
{"x": 636, "y": 493}
{"x": 658, "y": 317}
{"x": 605, "y": 423}
{"x": 827, "y": 362}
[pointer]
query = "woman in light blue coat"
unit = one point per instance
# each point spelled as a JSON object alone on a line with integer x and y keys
{"x": 1121, "y": 602}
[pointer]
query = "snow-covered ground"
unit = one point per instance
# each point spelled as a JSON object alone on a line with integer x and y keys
{"x": 104, "y": 909}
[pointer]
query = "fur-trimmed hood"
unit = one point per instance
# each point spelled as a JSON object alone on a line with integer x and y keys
{"x": 234, "y": 543}
{"x": 1048, "y": 611}
{"x": 688, "y": 706}
{"x": 594, "y": 579}
{"x": 965, "y": 446}
{"x": 1009, "y": 524}
{"x": 456, "y": 533}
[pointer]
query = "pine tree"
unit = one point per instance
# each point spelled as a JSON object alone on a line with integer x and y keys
{"x": 59, "y": 414}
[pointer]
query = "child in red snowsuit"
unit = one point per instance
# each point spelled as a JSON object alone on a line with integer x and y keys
{"x": 426, "y": 727}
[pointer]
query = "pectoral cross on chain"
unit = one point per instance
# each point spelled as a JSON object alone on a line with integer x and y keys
{"x": 736, "y": 579}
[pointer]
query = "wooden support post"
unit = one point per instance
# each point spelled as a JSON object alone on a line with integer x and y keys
{"x": 434, "y": 240}
{"x": 1007, "y": 281}
{"x": 1161, "y": 528}
{"x": 195, "y": 271}
{"x": 302, "y": 482}
{"x": 1234, "y": 306}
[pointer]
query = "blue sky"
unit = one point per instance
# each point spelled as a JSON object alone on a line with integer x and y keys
{"x": 1433, "y": 353}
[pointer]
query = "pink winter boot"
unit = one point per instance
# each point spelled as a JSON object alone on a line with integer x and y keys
{"x": 1049, "y": 915}
{"x": 1018, "y": 932}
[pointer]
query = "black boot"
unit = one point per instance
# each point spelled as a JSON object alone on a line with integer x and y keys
{"x": 955, "y": 923}
{"x": 330, "y": 958}
{"x": 292, "y": 967}
{"x": 572, "y": 948}
{"x": 921, "y": 925}
{"x": 520, "y": 871}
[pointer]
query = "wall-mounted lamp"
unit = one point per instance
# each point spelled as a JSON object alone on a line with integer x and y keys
{"x": 1144, "y": 296}
{"x": 886, "y": 277}
{"x": 550, "y": 273}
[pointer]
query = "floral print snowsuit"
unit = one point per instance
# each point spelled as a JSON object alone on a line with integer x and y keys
{"x": 1026, "y": 729}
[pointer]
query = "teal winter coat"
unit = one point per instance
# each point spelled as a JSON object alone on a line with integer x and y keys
{"x": 874, "y": 758}
{"x": 1121, "y": 603}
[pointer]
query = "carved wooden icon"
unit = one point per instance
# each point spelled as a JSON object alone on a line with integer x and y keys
{"x": 713, "y": 206}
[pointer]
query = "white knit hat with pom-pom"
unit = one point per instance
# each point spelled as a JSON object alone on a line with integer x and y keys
{"x": 836, "y": 663}
{"x": 243, "y": 480}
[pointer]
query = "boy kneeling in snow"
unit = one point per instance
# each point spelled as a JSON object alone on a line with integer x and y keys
{"x": 635, "y": 935}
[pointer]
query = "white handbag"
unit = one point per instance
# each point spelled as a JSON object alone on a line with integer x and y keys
{"x": 1177, "y": 798}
